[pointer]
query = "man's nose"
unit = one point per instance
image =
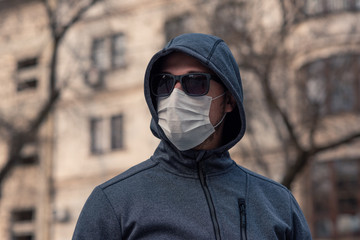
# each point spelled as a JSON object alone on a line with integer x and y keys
{"x": 178, "y": 85}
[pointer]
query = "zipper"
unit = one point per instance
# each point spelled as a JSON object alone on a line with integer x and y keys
{"x": 209, "y": 202}
{"x": 242, "y": 208}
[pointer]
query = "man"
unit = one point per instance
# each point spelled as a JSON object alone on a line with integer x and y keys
{"x": 191, "y": 188}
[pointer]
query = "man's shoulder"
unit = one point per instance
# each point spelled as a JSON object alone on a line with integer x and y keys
{"x": 255, "y": 179}
{"x": 129, "y": 174}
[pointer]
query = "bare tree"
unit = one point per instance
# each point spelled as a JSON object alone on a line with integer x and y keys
{"x": 59, "y": 26}
{"x": 261, "y": 49}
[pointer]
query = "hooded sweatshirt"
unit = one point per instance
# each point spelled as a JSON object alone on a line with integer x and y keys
{"x": 193, "y": 194}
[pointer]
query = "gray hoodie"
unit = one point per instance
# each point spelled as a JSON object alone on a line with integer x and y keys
{"x": 193, "y": 194}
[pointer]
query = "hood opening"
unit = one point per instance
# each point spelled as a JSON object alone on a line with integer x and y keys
{"x": 214, "y": 54}
{"x": 232, "y": 121}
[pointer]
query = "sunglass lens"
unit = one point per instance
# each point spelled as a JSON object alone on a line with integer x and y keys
{"x": 162, "y": 84}
{"x": 195, "y": 84}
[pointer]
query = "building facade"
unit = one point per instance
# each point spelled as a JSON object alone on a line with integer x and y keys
{"x": 100, "y": 126}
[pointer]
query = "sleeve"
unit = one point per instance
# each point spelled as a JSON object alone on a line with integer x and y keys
{"x": 300, "y": 228}
{"x": 97, "y": 219}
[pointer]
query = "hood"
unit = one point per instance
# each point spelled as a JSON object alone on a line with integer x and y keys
{"x": 215, "y": 55}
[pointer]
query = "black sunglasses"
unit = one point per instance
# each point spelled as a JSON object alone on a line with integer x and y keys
{"x": 193, "y": 84}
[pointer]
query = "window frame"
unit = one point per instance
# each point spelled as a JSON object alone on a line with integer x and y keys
{"x": 329, "y": 211}
{"x": 96, "y": 135}
{"x": 22, "y": 215}
{"x": 117, "y": 132}
{"x": 109, "y": 135}
{"x": 327, "y": 7}
{"x": 23, "y": 223}
{"x": 26, "y": 76}
{"x": 110, "y": 52}
{"x": 327, "y": 107}
{"x": 106, "y": 55}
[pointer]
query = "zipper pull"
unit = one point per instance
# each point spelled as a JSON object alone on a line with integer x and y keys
{"x": 242, "y": 207}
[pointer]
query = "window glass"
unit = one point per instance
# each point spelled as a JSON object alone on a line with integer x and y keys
{"x": 316, "y": 7}
{"x": 177, "y": 25}
{"x": 101, "y": 56}
{"x": 23, "y": 237}
{"x": 333, "y": 5}
{"x": 336, "y": 198}
{"x": 238, "y": 20}
{"x": 333, "y": 84}
{"x": 316, "y": 83}
{"x": 97, "y": 135}
{"x": 107, "y": 53}
{"x": 26, "y": 76}
{"x": 117, "y": 132}
{"x": 27, "y": 63}
{"x": 27, "y": 84}
{"x": 342, "y": 77}
{"x": 322, "y": 186}
{"x": 107, "y": 134}
{"x": 343, "y": 94}
{"x": 323, "y": 227}
{"x": 118, "y": 51}
{"x": 22, "y": 215}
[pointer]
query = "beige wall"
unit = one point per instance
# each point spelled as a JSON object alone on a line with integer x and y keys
{"x": 65, "y": 139}
{"x": 76, "y": 170}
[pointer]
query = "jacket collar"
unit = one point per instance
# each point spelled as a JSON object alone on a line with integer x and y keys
{"x": 187, "y": 163}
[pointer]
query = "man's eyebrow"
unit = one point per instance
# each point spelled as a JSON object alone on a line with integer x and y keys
{"x": 198, "y": 72}
{"x": 189, "y": 72}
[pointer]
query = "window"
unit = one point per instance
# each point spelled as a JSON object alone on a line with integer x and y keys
{"x": 23, "y": 224}
{"x": 106, "y": 134}
{"x": 29, "y": 160}
{"x": 116, "y": 132}
{"x": 23, "y": 237}
{"x": 107, "y": 53}
{"x": 314, "y": 6}
{"x": 231, "y": 19}
{"x": 29, "y": 155}
{"x": 177, "y": 25}
{"x": 26, "y": 77}
{"x": 333, "y": 84}
{"x": 22, "y": 215}
{"x": 118, "y": 51}
{"x": 336, "y": 199}
{"x": 97, "y": 135}
{"x": 317, "y": 7}
{"x": 100, "y": 55}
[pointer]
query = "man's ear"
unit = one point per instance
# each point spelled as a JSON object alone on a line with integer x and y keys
{"x": 230, "y": 103}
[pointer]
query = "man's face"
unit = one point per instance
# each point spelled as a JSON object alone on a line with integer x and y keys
{"x": 179, "y": 64}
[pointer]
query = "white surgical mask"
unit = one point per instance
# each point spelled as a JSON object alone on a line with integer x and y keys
{"x": 185, "y": 119}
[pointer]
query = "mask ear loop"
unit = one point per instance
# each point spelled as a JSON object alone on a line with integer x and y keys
{"x": 222, "y": 119}
{"x": 214, "y": 98}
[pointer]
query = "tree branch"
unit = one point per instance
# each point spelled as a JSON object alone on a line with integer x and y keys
{"x": 44, "y": 112}
{"x": 51, "y": 17}
{"x": 291, "y": 172}
{"x": 304, "y": 156}
{"x": 6, "y": 125}
{"x": 76, "y": 18}
{"x": 58, "y": 36}
{"x": 338, "y": 143}
{"x": 19, "y": 139}
{"x": 273, "y": 103}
